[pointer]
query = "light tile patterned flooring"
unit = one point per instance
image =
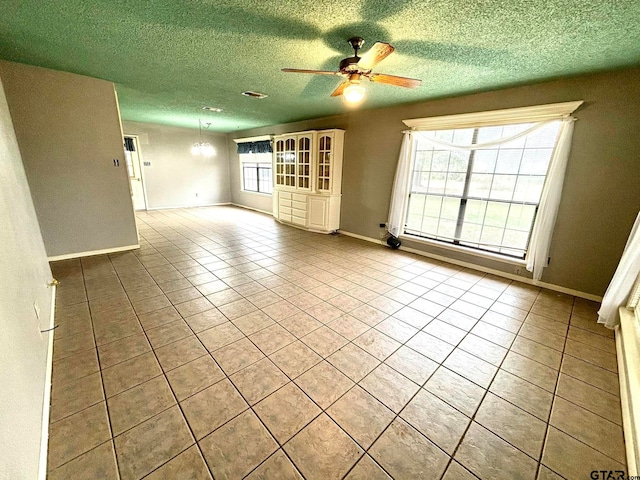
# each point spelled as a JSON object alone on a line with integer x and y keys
{"x": 231, "y": 346}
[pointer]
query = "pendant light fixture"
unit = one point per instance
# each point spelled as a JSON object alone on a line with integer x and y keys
{"x": 204, "y": 149}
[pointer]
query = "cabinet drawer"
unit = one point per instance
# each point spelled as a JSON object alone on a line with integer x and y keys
{"x": 299, "y": 198}
{"x": 299, "y": 213}
{"x": 299, "y": 221}
{"x": 286, "y": 195}
{"x": 285, "y": 218}
{"x": 299, "y": 205}
{"x": 285, "y": 203}
{"x": 285, "y": 210}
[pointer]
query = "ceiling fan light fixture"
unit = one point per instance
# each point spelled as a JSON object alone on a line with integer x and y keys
{"x": 354, "y": 93}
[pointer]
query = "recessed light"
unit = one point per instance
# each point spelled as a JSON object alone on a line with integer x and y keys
{"x": 212, "y": 109}
{"x": 254, "y": 94}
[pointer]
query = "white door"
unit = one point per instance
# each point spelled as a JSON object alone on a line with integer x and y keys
{"x": 132, "y": 157}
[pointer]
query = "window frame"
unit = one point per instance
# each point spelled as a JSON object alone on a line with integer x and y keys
{"x": 537, "y": 113}
{"x": 258, "y": 166}
{"x": 242, "y": 159}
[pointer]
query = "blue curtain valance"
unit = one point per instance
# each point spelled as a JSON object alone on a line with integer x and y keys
{"x": 263, "y": 146}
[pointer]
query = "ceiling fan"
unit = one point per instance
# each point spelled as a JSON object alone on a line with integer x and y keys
{"x": 354, "y": 68}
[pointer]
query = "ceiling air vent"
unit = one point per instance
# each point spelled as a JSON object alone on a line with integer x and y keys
{"x": 254, "y": 94}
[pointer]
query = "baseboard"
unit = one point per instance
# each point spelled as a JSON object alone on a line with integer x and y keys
{"x": 499, "y": 273}
{"x": 46, "y": 406}
{"x": 251, "y": 208}
{"x": 172, "y": 207}
{"x": 93, "y": 252}
{"x": 628, "y": 353}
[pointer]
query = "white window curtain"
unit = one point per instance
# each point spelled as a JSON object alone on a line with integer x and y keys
{"x": 542, "y": 231}
{"x": 623, "y": 280}
{"x": 540, "y": 241}
{"x": 400, "y": 187}
{"x": 431, "y": 138}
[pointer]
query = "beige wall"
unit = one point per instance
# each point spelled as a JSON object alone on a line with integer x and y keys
{"x": 23, "y": 286}
{"x": 600, "y": 196}
{"x": 176, "y": 178}
{"x": 68, "y": 130}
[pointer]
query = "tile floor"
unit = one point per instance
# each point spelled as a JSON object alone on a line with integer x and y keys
{"x": 230, "y": 346}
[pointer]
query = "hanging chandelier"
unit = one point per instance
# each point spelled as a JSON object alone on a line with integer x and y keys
{"x": 200, "y": 148}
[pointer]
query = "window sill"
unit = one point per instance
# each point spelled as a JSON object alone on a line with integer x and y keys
{"x": 465, "y": 250}
{"x": 257, "y": 193}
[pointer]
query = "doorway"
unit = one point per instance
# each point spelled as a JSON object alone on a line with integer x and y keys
{"x": 134, "y": 169}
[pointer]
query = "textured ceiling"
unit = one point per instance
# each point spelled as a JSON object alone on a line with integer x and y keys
{"x": 170, "y": 58}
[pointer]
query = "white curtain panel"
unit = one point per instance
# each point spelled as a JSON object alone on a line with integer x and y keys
{"x": 429, "y": 138}
{"x": 400, "y": 187}
{"x": 623, "y": 280}
{"x": 540, "y": 240}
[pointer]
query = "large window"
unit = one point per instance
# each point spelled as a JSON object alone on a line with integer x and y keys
{"x": 256, "y": 172}
{"x": 484, "y": 195}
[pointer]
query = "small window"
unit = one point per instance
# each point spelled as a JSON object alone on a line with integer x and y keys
{"x": 256, "y": 172}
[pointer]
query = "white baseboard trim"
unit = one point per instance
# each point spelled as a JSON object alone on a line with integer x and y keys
{"x": 93, "y": 252}
{"x": 171, "y": 207}
{"x": 46, "y": 405}
{"x": 628, "y": 353}
{"x": 251, "y": 208}
{"x": 362, "y": 237}
{"x": 499, "y": 273}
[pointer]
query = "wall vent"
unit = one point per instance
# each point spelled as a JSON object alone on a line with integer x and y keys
{"x": 249, "y": 93}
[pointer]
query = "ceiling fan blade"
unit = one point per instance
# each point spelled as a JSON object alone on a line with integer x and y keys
{"x": 375, "y": 55}
{"x": 338, "y": 91}
{"x": 394, "y": 80}
{"x": 318, "y": 72}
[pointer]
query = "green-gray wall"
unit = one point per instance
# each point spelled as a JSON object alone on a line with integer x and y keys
{"x": 176, "y": 178}
{"x": 600, "y": 195}
{"x": 68, "y": 131}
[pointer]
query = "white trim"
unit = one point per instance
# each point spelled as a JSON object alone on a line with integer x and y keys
{"x": 535, "y": 113}
{"x": 257, "y": 193}
{"x": 499, "y": 273}
{"x": 189, "y": 206}
{"x": 466, "y": 250}
{"x": 260, "y": 138}
{"x": 362, "y": 237}
{"x": 46, "y": 407}
{"x": 93, "y": 252}
{"x": 250, "y": 160}
{"x": 628, "y": 353}
{"x": 251, "y": 208}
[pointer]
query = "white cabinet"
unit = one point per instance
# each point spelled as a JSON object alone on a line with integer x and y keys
{"x": 308, "y": 179}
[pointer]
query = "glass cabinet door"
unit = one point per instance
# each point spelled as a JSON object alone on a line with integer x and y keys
{"x": 279, "y": 161}
{"x": 290, "y": 162}
{"x": 304, "y": 162}
{"x": 324, "y": 163}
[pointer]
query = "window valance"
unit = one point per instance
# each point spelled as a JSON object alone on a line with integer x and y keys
{"x": 262, "y": 146}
